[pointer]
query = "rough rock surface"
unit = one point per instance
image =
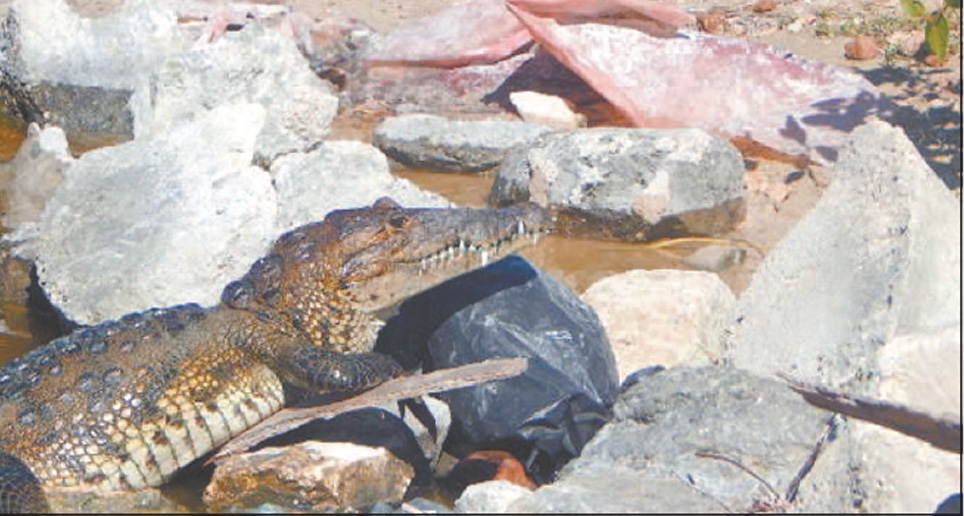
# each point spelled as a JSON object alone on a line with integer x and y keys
{"x": 643, "y": 175}
{"x": 79, "y": 73}
{"x": 311, "y": 476}
{"x": 252, "y": 65}
{"x": 645, "y": 459}
{"x": 662, "y": 317}
{"x": 902, "y": 474}
{"x": 879, "y": 255}
{"x": 49, "y": 42}
{"x": 38, "y": 169}
{"x": 339, "y": 174}
{"x": 489, "y": 497}
{"x": 157, "y": 222}
{"x": 429, "y": 141}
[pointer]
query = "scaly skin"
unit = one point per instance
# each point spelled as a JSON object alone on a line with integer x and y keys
{"x": 125, "y": 404}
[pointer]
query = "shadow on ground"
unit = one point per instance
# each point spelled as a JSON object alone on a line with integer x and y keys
{"x": 934, "y": 127}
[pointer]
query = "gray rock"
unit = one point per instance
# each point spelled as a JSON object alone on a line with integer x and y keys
{"x": 879, "y": 255}
{"x": 37, "y": 169}
{"x": 337, "y": 175}
{"x": 489, "y": 497}
{"x": 428, "y": 141}
{"x": 661, "y": 422}
{"x": 662, "y": 317}
{"x": 80, "y": 72}
{"x": 643, "y": 176}
{"x": 251, "y": 65}
{"x": 157, "y": 222}
{"x": 312, "y": 476}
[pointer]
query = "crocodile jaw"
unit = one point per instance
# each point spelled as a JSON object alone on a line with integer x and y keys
{"x": 435, "y": 245}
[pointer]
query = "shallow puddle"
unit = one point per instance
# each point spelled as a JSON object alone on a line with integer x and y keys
{"x": 578, "y": 262}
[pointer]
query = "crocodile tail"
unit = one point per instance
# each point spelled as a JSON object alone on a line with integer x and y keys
{"x": 20, "y": 491}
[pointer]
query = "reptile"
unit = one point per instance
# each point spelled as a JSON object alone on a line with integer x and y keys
{"x": 125, "y": 404}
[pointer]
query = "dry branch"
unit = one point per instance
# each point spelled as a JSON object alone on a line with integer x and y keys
{"x": 940, "y": 432}
{"x": 388, "y": 392}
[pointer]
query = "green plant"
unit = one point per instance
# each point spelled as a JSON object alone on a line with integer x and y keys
{"x": 936, "y": 29}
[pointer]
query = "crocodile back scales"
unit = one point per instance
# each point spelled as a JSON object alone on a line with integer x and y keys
{"x": 126, "y": 404}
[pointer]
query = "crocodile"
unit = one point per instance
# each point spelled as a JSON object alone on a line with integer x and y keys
{"x": 125, "y": 404}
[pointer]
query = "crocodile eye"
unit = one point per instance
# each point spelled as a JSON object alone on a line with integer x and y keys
{"x": 398, "y": 221}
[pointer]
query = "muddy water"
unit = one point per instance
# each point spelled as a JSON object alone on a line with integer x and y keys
{"x": 578, "y": 262}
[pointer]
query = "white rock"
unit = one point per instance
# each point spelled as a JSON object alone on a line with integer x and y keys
{"x": 157, "y": 222}
{"x": 338, "y": 175}
{"x": 879, "y": 255}
{"x": 662, "y": 317}
{"x": 38, "y": 169}
{"x": 548, "y": 110}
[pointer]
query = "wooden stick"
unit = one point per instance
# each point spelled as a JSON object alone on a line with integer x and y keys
{"x": 940, "y": 432}
{"x": 390, "y": 391}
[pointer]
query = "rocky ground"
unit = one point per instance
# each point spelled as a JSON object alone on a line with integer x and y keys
{"x": 655, "y": 389}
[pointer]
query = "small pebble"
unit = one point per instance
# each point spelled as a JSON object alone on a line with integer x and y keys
{"x": 712, "y": 22}
{"x": 862, "y": 48}
{"x": 764, "y": 6}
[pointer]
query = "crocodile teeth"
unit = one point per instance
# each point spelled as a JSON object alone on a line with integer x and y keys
{"x": 485, "y": 257}
{"x": 521, "y": 228}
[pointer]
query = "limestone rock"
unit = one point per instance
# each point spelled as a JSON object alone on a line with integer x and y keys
{"x": 157, "y": 222}
{"x": 38, "y": 169}
{"x": 662, "y": 317}
{"x": 337, "y": 175}
{"x": 878, "y": 256}
{"x": 49, "y": 42}
{"x": 252, "y": 65}
{"x": 311, "y": 476}
{"x": 429, "y": 141}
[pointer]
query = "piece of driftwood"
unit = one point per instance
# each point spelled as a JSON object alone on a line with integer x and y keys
{"x": 940, "y": 432}
{"x": 390, "y": 391}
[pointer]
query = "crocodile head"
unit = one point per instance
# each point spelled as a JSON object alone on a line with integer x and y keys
{"x": 330, "y": 276}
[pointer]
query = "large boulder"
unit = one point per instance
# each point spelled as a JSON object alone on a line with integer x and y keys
{"x": 252, "y": 65}
{"x": 652, "y": 456}
{"x": 878, "y": 256}
{"x": 629, "y": 179}
{"x": 156, "y": 222}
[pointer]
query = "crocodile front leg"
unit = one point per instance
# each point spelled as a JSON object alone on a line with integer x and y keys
{"x": 330, "y": 371}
